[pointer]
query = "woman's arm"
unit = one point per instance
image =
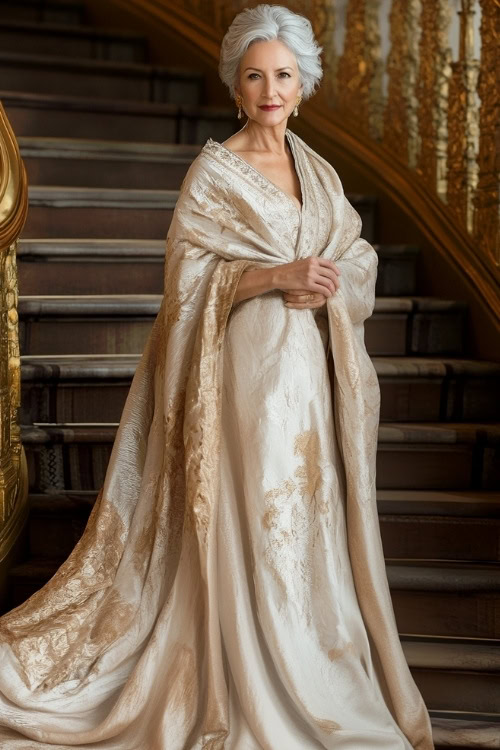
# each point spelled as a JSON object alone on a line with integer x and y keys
{"x": 312, "y": 274}
{"x": 255, "y": 281}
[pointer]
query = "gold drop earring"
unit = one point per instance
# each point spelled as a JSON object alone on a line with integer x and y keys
{"x": 296, "y": 110}
{"x": 239, "y": 102}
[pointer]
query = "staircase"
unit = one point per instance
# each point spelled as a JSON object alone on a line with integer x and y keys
{"x": 107, "y": 138}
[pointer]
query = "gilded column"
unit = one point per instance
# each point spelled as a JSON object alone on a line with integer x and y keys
{"x": 486, "y": 198}
{"x": 434, "y": 73}
{"x": 462, "y": 123}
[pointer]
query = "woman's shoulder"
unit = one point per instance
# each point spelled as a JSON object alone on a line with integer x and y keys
{"x": 199, "y": 171}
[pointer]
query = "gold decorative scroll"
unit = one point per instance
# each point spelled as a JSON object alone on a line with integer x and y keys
{"x": 486, "y": 227}
{"x": 13, "y": 472}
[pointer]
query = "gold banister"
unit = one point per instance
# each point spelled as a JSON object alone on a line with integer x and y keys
{"x": 13, "y": 468}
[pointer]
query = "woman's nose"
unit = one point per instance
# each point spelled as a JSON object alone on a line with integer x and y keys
{"x": 269, "y": 86}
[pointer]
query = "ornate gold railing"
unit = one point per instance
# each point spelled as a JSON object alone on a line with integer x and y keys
{"x": 411, "y": 89}
{"x": 13, "y": 469}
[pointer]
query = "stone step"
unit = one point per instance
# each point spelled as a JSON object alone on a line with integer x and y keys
{"x": 90, "y": 266}
{"x": 465, "y": 731}
{"x": 43, "y": 11}
{"x": 436, "y": 456}
{"x": 397, "y": 269}
{"x": 452, "y": 598}
{"x": 121, "y": 323}
{"x": 413, "y": 524}
{"x": 455, "y": 674}
{"x": 51, "y": 74}
{"x": 99, "y": 212}
{"x": 74, "y": 456}
{"x": 112, "y": 213}
{"x": 107, "y": 164}
{"x": 416, "y": 325}
{"x": 453, "y": 525}
{"x": 69, "y": 40}
{"x": 412, "y": 388}
{"x": 53, "y": 115}
{"x": 96, "y": 266}
{"x": 438, "y": 389}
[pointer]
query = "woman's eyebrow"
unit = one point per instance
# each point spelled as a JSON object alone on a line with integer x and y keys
{"x": 287, "y": 67}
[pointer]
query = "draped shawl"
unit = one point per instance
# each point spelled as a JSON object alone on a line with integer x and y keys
{"x": 122, "y": 647}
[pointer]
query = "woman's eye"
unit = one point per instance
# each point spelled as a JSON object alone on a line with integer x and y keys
{"x": 283, "y": 73}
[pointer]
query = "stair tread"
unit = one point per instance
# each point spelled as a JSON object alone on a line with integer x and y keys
{"x": 115, "y": 106}
{"x": 455, "y": 576}
{"x": 71, "y": 248}
{"x": 77, "y": 365}
{"x": 86, "y": 148}
{"x": 52, "y": 3}
{"x": 88, "y": 64}
{"x": 389, "y": 432}
{"x": 482, "y": 655}
{"x": 437, "y": 432}
{"x": 461, "y": 503}
{"x": 71, "y": 28}
{"x": 63, "y": 196}
{"x": 466, "y": 733}
{"x": 396, "y": 249}
{"x": 133, "y": 247}
{"x": 93, "y": 303}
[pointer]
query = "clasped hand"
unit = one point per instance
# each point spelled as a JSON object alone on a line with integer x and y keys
{"x": 302, "y": 278}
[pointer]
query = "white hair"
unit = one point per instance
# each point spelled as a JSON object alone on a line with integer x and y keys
{"x": 265, "y": 23}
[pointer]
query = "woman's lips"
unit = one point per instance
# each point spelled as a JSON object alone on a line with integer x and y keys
{"x": 269, "y": 107}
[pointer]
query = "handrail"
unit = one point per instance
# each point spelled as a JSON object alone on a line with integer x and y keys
{"x": 13, "y": 466}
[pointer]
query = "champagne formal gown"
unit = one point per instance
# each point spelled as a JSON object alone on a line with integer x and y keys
{"x": 229, "y": 591}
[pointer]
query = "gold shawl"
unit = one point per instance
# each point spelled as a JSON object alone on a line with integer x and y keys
{"x": 122, "y": 648}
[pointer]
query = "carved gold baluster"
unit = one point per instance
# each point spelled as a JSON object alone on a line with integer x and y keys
{"x": 395, "y": 119}
{"x": 462, "y": 123}
{"x": 486, "y": 199}
{"x": 400, "y": 116}
{"x": 352, "y": 80}
{"x": 359, "y": 69}
{"x": 324, "y": 28}
{"x": 374, "y": 70}
{"x": 434, "y": 72}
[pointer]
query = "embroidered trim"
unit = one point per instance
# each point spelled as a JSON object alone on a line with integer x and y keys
{"x": 255, "y": 175}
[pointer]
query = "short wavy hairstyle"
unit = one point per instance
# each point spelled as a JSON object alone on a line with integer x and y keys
{"x": 265, "y": 23}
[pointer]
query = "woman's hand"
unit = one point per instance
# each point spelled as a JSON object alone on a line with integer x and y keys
{"x": 308, "y": 282}
{"x": 302, "y": 299}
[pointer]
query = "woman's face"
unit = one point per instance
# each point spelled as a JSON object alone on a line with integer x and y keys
{"x": 269, "y": 76}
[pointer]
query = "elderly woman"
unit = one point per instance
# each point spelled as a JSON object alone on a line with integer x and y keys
{"x": 229, "y": 591}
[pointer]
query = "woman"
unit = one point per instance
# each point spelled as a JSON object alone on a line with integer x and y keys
{"x": 229, "y": 590}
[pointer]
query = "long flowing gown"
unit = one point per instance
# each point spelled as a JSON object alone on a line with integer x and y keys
{"x": 211, "y": 603}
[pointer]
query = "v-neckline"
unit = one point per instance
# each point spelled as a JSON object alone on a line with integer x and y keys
{"x": 292, "y": 199}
